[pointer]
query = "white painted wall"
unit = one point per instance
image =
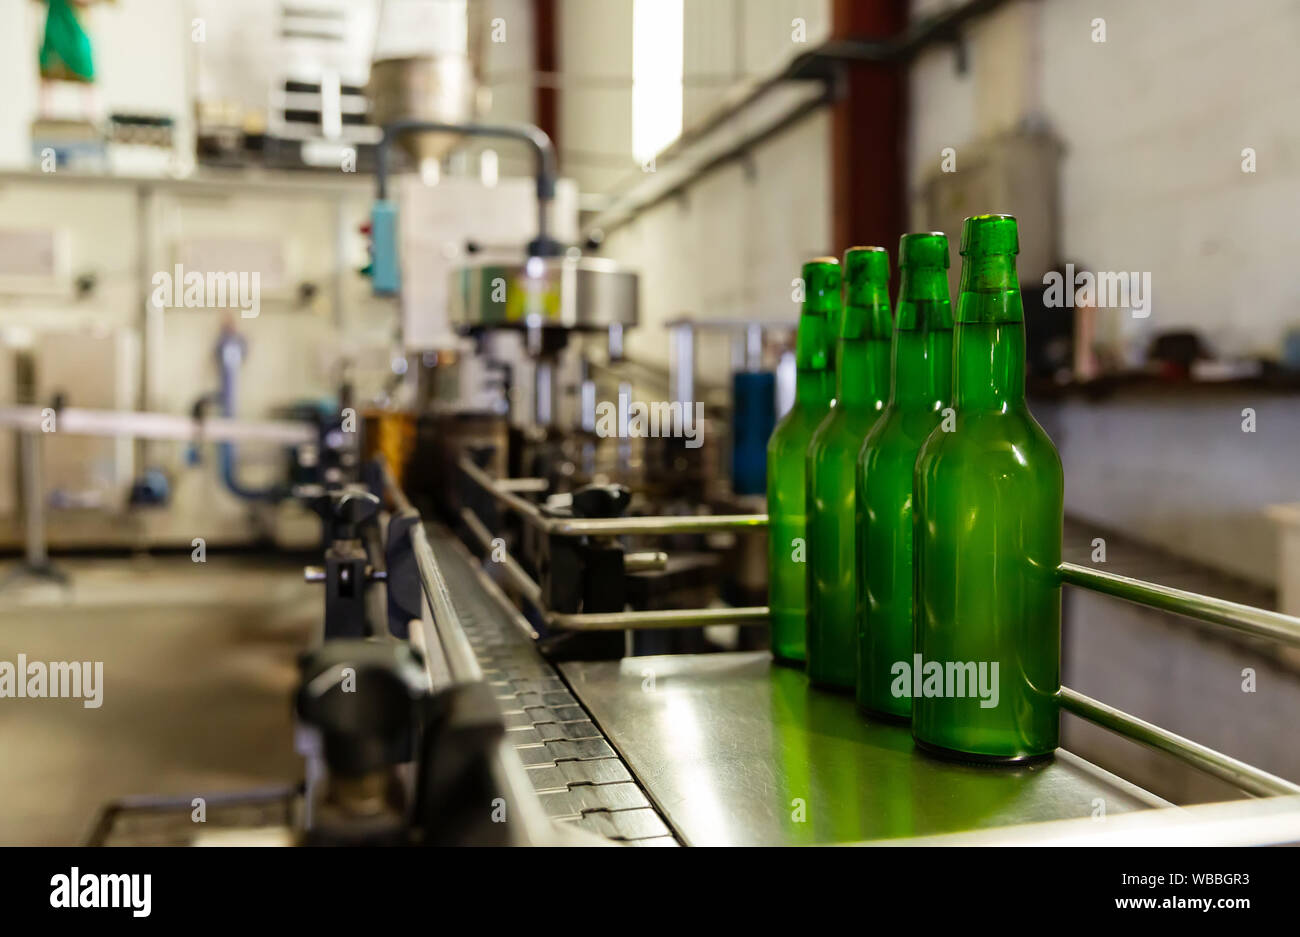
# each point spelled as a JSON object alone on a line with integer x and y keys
{"x": 294, "y": 351}
{"x": 142, "y": 54}
{"x": 144, "y": 61}
{"x": 1153, "y": 122}
{"x": 731, "y": 248}
{"x": 732, "y": 245}
{"x": 1178, "y": 472}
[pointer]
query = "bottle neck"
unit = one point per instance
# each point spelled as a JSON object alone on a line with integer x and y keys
{"x": 862, "y": 353}
{"x": 814, "y": 387}
{"x": 989, "y": 358}
{"x": 862, "y": 372}
{"x": 922, "y": 368}
{"x": 922, "y": 349}
{"x": 989, "y": 365}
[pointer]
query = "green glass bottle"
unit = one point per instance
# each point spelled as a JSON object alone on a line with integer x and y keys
{"x": 861, "y": 386}
{"x": 786, "y": 454}
{"x": 987, "y": 533}
{"x": 920, "y": 389}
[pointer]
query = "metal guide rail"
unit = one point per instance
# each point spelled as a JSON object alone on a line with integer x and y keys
{"x": 577, "y": 776}
{"x": 553, "y": 763}
{"x": 583, "y": 677}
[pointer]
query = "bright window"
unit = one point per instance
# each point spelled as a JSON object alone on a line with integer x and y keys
{"x": 657, "y": 31}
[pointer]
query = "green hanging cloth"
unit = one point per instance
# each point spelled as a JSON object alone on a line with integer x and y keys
{"x": 65, "y": 51}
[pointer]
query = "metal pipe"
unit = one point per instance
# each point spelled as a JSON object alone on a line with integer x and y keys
{"x": 660, "y": 619}
{"x": 645, "y": 561}
{"x": 619, "y": 215}
{"x": 527, "y": 509}
{"x": 231, "y": 349}
{"x": 662, "y": 524}
{"x": 529, "y": 485}
{"x": 681, "y": 355}
{"x": 822, "y": 64}
{"x": 1249, "y": 779}
{"x": 534, "y": 137}
{"x": 461, "y": 659}
{"x": 518, "y": 577}
{"x": 1243, "y": 618}
{"x": 610, "y": 526}
{"x": 75, "y": 421}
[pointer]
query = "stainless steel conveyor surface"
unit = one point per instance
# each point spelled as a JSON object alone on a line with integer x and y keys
{"x": 735, "y": 751}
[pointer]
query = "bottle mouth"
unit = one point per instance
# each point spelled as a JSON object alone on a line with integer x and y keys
{"x": 923, "y": 249}
{"x": 866, "y": 265}
{"x": 821, "y": 276}
{"x": 989, "y": 235}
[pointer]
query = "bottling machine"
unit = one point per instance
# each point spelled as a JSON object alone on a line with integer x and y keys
{"x": 543, "y": 635}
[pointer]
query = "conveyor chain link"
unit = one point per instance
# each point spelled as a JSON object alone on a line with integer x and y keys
{"x": 577, "y": 774}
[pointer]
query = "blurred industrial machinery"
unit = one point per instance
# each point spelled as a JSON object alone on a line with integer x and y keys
{"x": 525, "y": 511}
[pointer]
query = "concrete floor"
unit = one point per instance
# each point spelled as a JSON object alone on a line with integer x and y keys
{"x": 199, "y": 670}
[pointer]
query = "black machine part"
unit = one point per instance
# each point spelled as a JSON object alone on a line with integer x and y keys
{"x": 458, "y": 800}
{"x": 364, "y": 697}
{"x": 346, "y": 515}
{"x": 405, "y": 598}
{"x": 372, "y": 702}
{"x": 586, "y": 574}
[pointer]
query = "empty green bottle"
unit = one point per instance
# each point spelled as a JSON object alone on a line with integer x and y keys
{"x": 987, "y": 535}
{"x": 861, "y": 386}
{"x": 786, "y": 454}
{"x": 920, "y": 389}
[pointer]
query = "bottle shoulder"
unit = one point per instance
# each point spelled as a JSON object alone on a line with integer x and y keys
{"x": 847, "y": 422}
{"x": 795, "y": 429}
{"x": 1001, "y": 442}
{"x": 903, "y": 427}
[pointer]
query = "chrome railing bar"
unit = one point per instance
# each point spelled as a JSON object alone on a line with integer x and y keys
{"x": 612, "y": 526}
{"x": 1244, "y": 618}
{"x": 525, "y": 508}
{"x": 660, "y": 524}
{"x": 517, "y": 575}
{"x": 658, "y": 619}
{"x": 1237, "y": 773}
{"x": 461, "y": 659}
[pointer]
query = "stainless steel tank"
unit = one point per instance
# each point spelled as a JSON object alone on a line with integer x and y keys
{"x": 426, "y": 67}
{"x": 575, "y": 293}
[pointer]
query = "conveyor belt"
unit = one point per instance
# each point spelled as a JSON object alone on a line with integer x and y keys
{"x": 575, "y": 771}
{"x": 735, "y": 751}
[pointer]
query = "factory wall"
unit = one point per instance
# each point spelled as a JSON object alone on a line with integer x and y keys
{"x": 730, "y": 246}
{"x": 156, "y": 81}
{"x": 120, "y": 234}
{"x": 1137, "y": 152}
{"x": 295, "y": 343}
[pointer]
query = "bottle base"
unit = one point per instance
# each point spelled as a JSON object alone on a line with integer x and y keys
{"x": 879, "y": 715}
{"x": 827, "y": 687}
{"x": 952, "y": 754}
